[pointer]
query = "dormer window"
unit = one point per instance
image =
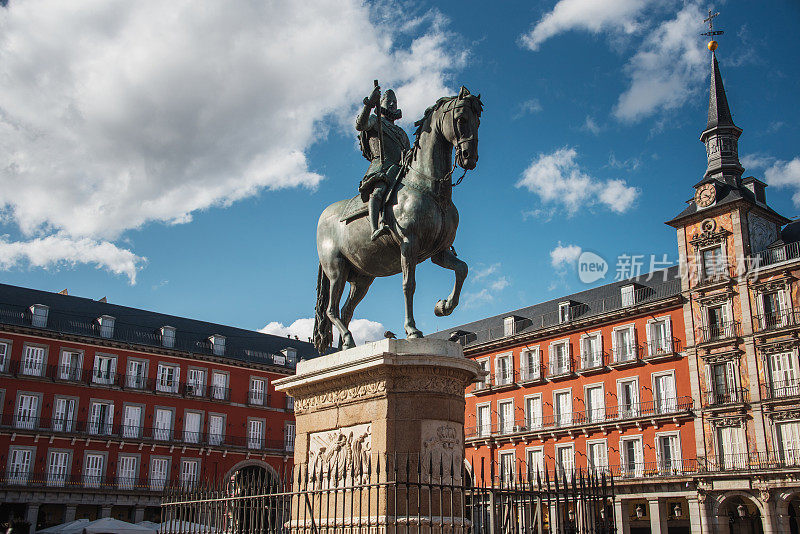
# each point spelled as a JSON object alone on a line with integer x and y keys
{"x": 217, "y": 344}
{"x": 509, "y": 326}
{"x": 291, "y": 355}
{"x": 564, "y": 315}
{"x": 628, "y": 298}
{"x": 106, "y": 326}
{"x": 39, "y": 314}
{"x": 168, "y": 336}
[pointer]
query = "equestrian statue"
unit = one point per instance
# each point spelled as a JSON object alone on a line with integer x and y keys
{"x": 403, "y": 214}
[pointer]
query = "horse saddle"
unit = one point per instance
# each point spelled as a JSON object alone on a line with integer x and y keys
{"x": 355, "y": 208}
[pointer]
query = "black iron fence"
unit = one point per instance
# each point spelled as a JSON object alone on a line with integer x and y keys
{"x": 393, "y": 495}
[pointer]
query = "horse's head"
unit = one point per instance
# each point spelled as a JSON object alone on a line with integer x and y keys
{"x": 460, "y": 127}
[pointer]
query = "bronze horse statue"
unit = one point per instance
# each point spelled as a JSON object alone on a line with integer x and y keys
{"x": 421, "y": 217}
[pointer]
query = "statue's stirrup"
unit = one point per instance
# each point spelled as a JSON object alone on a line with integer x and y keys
{"x": 379, "y": 232}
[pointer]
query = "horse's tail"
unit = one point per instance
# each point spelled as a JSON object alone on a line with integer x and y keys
{"x": 323, "y": 328}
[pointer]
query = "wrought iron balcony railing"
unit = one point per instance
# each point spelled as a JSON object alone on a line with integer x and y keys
{"x": 663, "y": 348}
{"x": 728, "y": 396}
{"x": 592, "y": 361}
{"x": 87, "y": 428}
{"x": 531, "y": 373}
{"x": 557, "y": 369}
{"x": 771, "y": 256}
{"x": 625, "y": 354}
{"x": 12, "y": 477}
{"x": 777, "y": 319}
{"x": 595, "y": 416}
{"x": 781, "y": 389}
{"x": 719, "y": 331}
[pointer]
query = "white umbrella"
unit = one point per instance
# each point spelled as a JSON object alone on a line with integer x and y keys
{"x": 63, "y": 527}
{"x": 108, "y": 525}
{"x": 148, "y": 524}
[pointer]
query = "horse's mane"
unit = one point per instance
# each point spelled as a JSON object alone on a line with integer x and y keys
{"x": 475, "y": 101}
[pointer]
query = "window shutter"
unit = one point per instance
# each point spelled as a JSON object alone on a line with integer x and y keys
{"x": 668, "y": 332}
{"x": 650, "y": 348}
{"x": 550, "y": 357}
{"x": 709, "y": 387}
{"x": 110, "y": 417}
{"x": 523, "y": 362}
{"x": 730, "y": 375}
{"x": 569, "y": 355}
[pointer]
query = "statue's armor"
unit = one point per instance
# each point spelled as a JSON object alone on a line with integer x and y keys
{"x": 395, "y": 143}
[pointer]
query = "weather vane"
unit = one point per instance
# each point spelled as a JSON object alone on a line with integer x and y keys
{"x": 712, "y": 44}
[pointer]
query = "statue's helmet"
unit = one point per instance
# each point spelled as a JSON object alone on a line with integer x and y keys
{"x": 389, "y": 105}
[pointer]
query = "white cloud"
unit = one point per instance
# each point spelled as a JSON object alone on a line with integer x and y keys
{"x": 363, "y": 330}
{"x": 564, "y": 255}
{"x": 591, "y": 126}
{"x": 486, "y": 281}
{"x": 57, "y": 250}
{"x": 117, "y": 114}
{"x": 668, "y": 68}
{"x": 778, "y": 173}
{"x": 557, "y": 178}
{"x": 527, "y": 107}
{"x": 590, "y": 15}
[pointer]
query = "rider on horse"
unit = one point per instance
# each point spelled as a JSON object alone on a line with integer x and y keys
{"x": 384, "y": 157}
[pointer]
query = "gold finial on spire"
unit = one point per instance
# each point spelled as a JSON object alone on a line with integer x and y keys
{"x": 712, "y": 44}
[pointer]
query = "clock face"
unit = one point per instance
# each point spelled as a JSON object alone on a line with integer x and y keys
{"x": 706, "y": 195}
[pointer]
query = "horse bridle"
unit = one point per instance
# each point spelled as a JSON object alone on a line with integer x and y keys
{"x": 457, "y": 103}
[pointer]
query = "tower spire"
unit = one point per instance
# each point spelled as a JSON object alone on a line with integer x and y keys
{"x": 721, "y": 135}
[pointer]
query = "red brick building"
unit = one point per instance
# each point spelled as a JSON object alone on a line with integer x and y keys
{"x": 102, "y": 405}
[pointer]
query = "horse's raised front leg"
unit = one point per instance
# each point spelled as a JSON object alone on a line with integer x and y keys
{"x": 448, "y": 260}
{"x": 337, "y": 273}
{"x": 408, "y": 262}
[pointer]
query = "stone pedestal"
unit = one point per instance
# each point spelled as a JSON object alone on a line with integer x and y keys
{"x": 379, "y": 416}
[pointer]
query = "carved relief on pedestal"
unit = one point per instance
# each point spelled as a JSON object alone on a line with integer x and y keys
{"x": 442, "y": 447}
{"x": 340, "y": 454}
{"x": 359, "y": 386}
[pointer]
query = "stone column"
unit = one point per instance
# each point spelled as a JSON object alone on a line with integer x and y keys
{"x": 698, "y": 521}
{"x": 32, "y": 516}
{"x": 658, "y": 525}
{"x": 70, "y": 512}
{"x": 105, "y": 511}
{"x": 621, "y": 517}
{"x": 395, "y": 407}
{"x": 769, "y": 520}
{"x": 138, "y": 514}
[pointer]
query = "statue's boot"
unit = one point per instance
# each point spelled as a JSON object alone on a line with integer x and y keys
{"x": 378, "y": 228}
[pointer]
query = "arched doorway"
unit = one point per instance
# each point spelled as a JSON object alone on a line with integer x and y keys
{"x": 742, "y": 514}
{"x": 793, "y": 514}
{"x": 247, "y": 485}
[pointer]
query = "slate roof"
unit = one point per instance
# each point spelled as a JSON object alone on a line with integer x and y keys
{"x": 599, "y": 300}
{"x": 719, "y": 113}
{"x": 77, "y": 315}
{"x": 727, "y": 194}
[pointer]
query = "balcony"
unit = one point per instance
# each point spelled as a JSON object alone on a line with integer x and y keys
{"x": 772, "y": 256}
{"x": 87, "y": 429}
{"x": 665, "y": 348}
{"x": 592, "y": 362}
{"x": 11, "y": 479}
{"x": 256, "y": 398}
{"x": 657, "y": 469}
{"x": 781, "y": 389}
{"x": 495, "y": 382}
{"x": 776, "y": 320}
{"x": 719, "y": 332}
{"x": 625, "y": 355}
{"x": 768, "y": 461}
{"x": 715, "y": 399}
{"x": 601, "y": 416}
{"x": 557, "y": 370}
{"x": 534, "y": 373}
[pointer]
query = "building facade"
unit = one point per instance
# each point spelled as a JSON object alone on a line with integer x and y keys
{"x": 104, "y": 405}
{"x": 683, "y": 383}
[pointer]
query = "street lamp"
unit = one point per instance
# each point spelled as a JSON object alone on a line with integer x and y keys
{"x": 677, "y": 511}
{"x": 639, "y": 511}
{"x": 741, "y": 510}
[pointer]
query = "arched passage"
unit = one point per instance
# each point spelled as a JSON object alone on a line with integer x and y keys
{"x": 740, "y": 513}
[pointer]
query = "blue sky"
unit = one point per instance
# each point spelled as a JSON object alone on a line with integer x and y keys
{"x": 176, "y": 159}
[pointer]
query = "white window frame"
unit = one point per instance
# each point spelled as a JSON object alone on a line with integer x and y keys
{"x": 504, "y": 378}
{"x": 631, "y": 354}
{"x": 20, "y": 464}
{"x": 665, "y": 347}
{"x": 166, "y": 383}
{"x": 168, "y": 336}
{"x": 189, "y": 477}
{"x": 503, "y": 426}
{"x": 5, "y": 355}
{"x": 27, "y": 416}
{"x": 533, "y": 470}
{"x": 255, "y": 441}
{"x": 106, "y": 323}
{"x": 160, "y": 477}
{"x": 159, "y": 432}
{"x": 638, "y": 469}
{"x": 676, "y": 461}
{"x": 723, "y": 261}
{"x": 505, "y": 476}
{"x": 591, "y": 361}
{"x": 34, "y": 359}
{"x": 256, "y": 396}
{"x": 595, "y": 414}
{"x": 591, "y": 460}
{"x": 564, "y": 312}
{"x": 94, "y": 476}
{"x": 534, "y": 421}
{"x": 563, "y": 447}
{"x": 670, "y": 403}
{"x": 39, "y": 315}
{"x": 65, "y": 422}
{"x": 219, "y": 392}
{"x": 99, "y": 427}
{"x": 486, "y": 381}
{"x": 58, "y": 473}
{"x": 289, "y": 435}
{"x": 509, "y": 326}
{"x": 104, "y": 376}
{"x": 216, "y": 438}
{"x": 628, "y": 295}
{"x": 66, "y": 369}
{"x": 527, "y": 371}
{"x": 127, "y": 480}
{"x": 563, "y": 419}
{"x": 217, "y": 344}
{"x": 134, "y": 429}
{"x": 195, "y": 435}
{"x": 635, "y": 409}
{"x": 555, "y": 367}
{"x": 195, "y": 387}
{"x": 136, "y": 381}
{"x": 483, "y": 428}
